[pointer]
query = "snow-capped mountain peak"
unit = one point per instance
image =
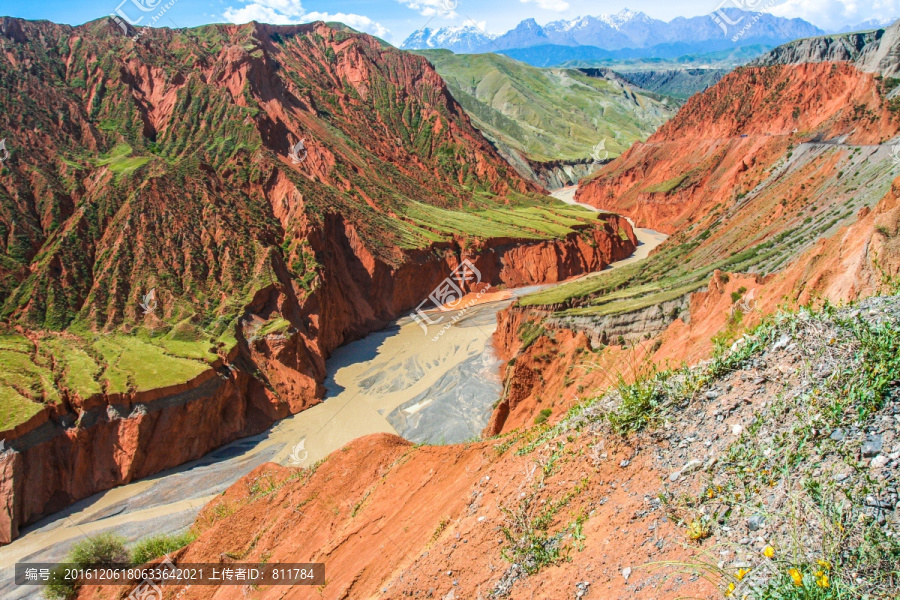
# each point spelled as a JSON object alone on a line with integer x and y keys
{"x": 461, "y": 38}
{"x": 624, "y": 17}
{"x": 627, "y": 29}
{"x": 868, "y": 24}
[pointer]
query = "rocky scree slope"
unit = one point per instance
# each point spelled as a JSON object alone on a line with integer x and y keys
{"x": 773, "y": 464}
{"x": 173, "y": 261}
{"x": 876, "y": 51}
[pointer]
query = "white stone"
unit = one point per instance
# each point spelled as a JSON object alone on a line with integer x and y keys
{"x": 880, "y": 461}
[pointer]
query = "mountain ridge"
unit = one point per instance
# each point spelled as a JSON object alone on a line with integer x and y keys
{"x": 547, "y": 122}
{"x": 627, "y": 30}
{"x": 876, "y": 51}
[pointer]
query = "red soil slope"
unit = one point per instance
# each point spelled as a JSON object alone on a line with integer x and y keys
{"x": 725, "y": 141}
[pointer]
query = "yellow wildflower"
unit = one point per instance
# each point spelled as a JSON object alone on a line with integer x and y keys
{"x": 822, "y": 581}
{"x": 824, "y": 564}
{"x": 742, "y": 573}
{"x": 769, "y": 552}
{"x": 796, "y": 576}
{"x": 730, "y": 589}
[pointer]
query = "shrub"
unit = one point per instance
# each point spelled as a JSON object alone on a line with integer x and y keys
{"x": 640, "y": 401}
{"x": 104, "y": 550}
{"x": 155, "y": 546}
{"x": 543, "y": 416}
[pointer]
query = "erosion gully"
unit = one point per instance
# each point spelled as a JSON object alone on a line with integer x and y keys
{"x": 397, "y": 380}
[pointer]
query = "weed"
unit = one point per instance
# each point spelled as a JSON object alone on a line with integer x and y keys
{"x": 738, "y": 294}
{"x": 441, "y": 526}
{"x": 698, "y": 529}
{"x": 529, "y": 542}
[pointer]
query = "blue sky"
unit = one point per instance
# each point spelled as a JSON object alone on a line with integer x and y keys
{"x": 395, "y": 19}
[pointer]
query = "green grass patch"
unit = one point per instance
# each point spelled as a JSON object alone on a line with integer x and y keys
{"x": 15, "y": 408}
{"x": 136, "y": 365}
{"x": 546, "y": 114}
{"x": 80, "y": 372}
{"x": 275, "y": 326}
{"x": 120, "y": 161}
{"x": 525, "y": 221}
{"x": 633, "y": 299}
{"x": 529, "y": 332}
{"x": 35, "y": 381}
{"x": 19, "y": 343}
{"x": 666, "y": 186}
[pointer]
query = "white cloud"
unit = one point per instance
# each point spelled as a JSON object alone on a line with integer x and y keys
{"x": 292, "y": 11}
{"x": 835, "y": 14}
{"x": 433, "y": 8}
{"x": 358, "y": 22}
{"x": 255, "y": 12}
{"x": 556, "y": 5}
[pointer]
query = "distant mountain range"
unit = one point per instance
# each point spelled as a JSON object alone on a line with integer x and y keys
{"x": 551, "y": 55}
{"x": 867, "y": 25}
{"x": 633, "y": 33}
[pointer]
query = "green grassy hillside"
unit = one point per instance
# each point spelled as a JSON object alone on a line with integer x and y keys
{"x": 546, "y": 114}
